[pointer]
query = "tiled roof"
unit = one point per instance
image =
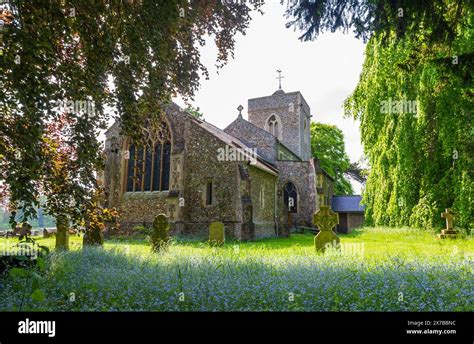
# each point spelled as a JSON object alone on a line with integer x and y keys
{"x": 349, "y": 204}
{"x": 261, "y": 163}
{"x": 241, "y": 122}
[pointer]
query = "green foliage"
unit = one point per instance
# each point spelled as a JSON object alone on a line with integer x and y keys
{"x": 48, "y": 221}
{"x": 38, "y": 295}
{"x": 143, "y": 230}
{"x": 160, "y": 236}
{"x": 196, "y": 112}
{"x": 97, "y": 218}
{"x": 365, "y": 17}
{"x": 55, "y": 53}
{"x": 421, "y": 160}
{"x": 424, "y": 213}
{"x": 422, "y": 52}
{"x": 327, "y": 145}
{"x": 26, "y": 271}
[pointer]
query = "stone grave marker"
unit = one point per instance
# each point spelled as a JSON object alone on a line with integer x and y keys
{"x": 160, "y": 235}
{"x": 449, "y": 232}
{"x": 325, "y": 219}
{"x": 216, "y": 233}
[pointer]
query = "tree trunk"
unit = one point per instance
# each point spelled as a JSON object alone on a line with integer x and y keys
{"x": 62, "y": 233}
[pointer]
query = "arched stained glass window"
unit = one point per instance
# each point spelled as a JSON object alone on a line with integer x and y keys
{"x": 149, "y": 167}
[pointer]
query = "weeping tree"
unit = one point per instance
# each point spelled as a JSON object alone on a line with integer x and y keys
{"x": 418, "y": 133}
{"x": 414, "y": 101}
{"x": 66, "y": 61}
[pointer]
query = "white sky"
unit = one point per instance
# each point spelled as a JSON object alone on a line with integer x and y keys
{"x": 325, "y": 71}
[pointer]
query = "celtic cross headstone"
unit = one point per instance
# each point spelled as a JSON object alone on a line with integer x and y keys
{"x": 325, "y": 219}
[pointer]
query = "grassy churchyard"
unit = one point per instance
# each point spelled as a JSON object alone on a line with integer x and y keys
{"x": 377, "y": 269}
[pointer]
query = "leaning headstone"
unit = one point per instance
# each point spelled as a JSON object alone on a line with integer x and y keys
{"x": 325, "y": 219}
{"x": 93, "y": 236}
{"x": 25, "y": 230}
{"x": 449, "y": 232}
{"x": 216, "y": 233}
{"x": 160, "y": 235}
{"x": 62, "y": 233}
{"x": 22, "y": 231}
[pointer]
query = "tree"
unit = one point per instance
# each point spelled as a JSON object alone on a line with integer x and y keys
{"x": 420, "y": 54}
{"x": 58, "y": 57}
{"x": 64, "y": 195}
{"x": 196, "y": 112}
{"x": 358, "y": 173}
{"x": 420, "y": 155}
{"x": 437, "y": 19}
{"x": 327, "y": 145}
{"x": 57, "y": 180}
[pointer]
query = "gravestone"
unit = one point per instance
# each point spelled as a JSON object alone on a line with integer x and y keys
{"x": 325, "y": 219}
{"x": 160, "y": 235}
{"x": 449, "y": 232}
{"x": 62, "y": 232}
{"x": 216, "y": 233}
{"x": 92, "y": 237}
{"x": 22, "y": 231}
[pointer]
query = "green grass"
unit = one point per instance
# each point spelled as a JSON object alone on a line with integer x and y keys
{"x": 378, "y": 243}
{"x": 392, "y": 269}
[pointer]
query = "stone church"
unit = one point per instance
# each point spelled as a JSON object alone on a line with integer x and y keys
{"x": 193, "y": 175}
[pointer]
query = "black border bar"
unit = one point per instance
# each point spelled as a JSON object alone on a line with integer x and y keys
{"x": 362, "y": 325}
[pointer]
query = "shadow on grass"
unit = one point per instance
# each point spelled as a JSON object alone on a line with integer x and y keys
{"x": 355, "y": 233}
{"x": 105, "y": 280}
{"x": 200, "y": 243}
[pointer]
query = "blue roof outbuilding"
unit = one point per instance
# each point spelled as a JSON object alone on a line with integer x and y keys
{"x": 347, "y": 204}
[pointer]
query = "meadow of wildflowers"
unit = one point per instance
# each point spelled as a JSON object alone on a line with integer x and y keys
{"x": 385, "y": 274}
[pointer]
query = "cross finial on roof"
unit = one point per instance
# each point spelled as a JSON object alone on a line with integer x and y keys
{"x": 279, "y": 78}
{"x": 240, "y": 108}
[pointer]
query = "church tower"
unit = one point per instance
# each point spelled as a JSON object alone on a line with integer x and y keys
{"x": 286, "y": 116}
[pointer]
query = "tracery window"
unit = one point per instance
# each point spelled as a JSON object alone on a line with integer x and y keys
{"x": 273, "y": 126}
{"x": 148, "y": 167}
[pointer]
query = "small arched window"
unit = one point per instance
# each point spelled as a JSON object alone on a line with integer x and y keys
{"x": 273, "y": 126}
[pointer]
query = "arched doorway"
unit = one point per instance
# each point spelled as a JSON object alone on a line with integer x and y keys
{"x": 290, "y": 196}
